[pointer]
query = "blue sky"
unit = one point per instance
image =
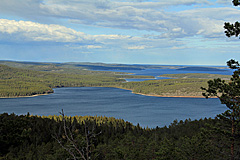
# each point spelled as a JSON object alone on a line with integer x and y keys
{"x": 184, "y": 32}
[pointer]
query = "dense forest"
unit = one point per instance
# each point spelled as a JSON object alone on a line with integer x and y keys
{"x": 16, "y": 82}
{"x": 196, "y": 75}
{"x": 34, "y": 137}
{"x": 28, "y": 137}
{"x": 64, "y": 137}
{"x": 41, "y": 79}
{"x": 168, "y": 87}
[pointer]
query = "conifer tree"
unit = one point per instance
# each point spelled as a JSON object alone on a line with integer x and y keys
{"x": 229, "y": 94}
{"x": 232, "y": 29}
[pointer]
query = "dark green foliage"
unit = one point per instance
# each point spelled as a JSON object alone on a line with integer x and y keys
{"x": 196, "y": 75}
{"x": 25, "y": 137}
{"x": 229, "y": 94}
{"x": 21, "y": 82}
{"x": 31, "y": 137}
{"x": 236, "y": 2}
{"x": 16, "y": 82}
{"x": 167, "y": 87}
{"x": 232, "y": 29}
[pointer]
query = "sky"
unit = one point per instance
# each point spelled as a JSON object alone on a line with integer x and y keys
{"x": 168, "y": 32}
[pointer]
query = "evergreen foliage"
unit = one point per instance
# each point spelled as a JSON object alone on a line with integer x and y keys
{"x": 167, "y": 87}
{"x": 230, "y": 28}
{"x": 31, "y": 137}
{"x": 16, "y": 82}
{"x": 229, "y": 94}
{"x": 197, "y": 75}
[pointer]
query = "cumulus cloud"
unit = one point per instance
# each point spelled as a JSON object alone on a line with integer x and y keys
{"x": 27, "y": 31}
{"x": 136, "y": 47}
{"x": 31, "y": 31}
{"x": 129, "y": 14}
{"x": 147, "y": 16}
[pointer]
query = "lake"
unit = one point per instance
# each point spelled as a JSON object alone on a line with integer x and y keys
{"x": 118, "y": 103}
{"x": 158, "y": 72}
{"x": 113, "y": 102}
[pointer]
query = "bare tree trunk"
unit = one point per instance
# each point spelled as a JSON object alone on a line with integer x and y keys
{"x": 73, "y": 149}
{"x": 233, "y": 138}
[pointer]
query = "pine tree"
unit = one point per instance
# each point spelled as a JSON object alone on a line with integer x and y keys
{"x": 229, "y": 94}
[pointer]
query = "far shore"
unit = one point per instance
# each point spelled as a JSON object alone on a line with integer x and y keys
{"x": 35, "y": 95}
{"x": 152, "y": 95}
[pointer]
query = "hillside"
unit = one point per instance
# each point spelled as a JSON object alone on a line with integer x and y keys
{"x": 16, "y": 82}
{"x": 197, "y": 75}
{"x": 190, "y": 87}
{"x": 34, "y": 137}
{"x": 33, "y": 78}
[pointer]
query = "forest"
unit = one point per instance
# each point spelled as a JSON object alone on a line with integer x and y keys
{"x": 32, "y": 137}
{"x": 15, "y": 82}
{"x": 29, "y": 80}
{"x": 86, "y": 137}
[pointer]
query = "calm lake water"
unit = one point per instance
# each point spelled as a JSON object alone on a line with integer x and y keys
{"x": 118, "y": 103}
{"x": 113, "y": 102}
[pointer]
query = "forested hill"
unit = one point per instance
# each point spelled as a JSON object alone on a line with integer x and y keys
{"x": 33, "y": 137}
{"x": 23, "y": 82}
{"x": 200, "y": 69}
{"x": 77, "y": 66}
{"x": 15, "y": 82}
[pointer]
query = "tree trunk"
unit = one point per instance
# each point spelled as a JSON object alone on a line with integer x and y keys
{"x": 233, "y": 138}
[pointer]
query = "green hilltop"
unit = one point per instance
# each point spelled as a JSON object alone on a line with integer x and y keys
{"x": 34, "y": 78}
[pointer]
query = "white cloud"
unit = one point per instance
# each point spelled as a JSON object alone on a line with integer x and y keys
{"x": 31, "y": 31}
{"x": 225, "y": 2}
{"x": 136, "y": 47}
{"x": 165, "y": 3}
{"x": 149, "y": 16}
{"x": 93, "y": 47}
{"x": 146, "y": 16}
{"x": 129, "y": 14}
{"x": 85, "y": 47}
{"x": 27, "y": 31}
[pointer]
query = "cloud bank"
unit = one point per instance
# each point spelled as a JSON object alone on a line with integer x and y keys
{"x": 131, "y": 14}
{"x": 30, "y": 31}
{"x": 117, "y": 27}
{"x": 27, "y": 31}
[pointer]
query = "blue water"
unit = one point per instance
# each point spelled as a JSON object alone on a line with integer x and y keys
{"x": 113, "y": 102}
{"x": 118, "y": 103}
{"x": 158, "y": 72}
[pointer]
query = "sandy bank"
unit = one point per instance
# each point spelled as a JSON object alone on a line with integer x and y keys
{"x": 153, "y": 95}
{"x": 35, "y": 95}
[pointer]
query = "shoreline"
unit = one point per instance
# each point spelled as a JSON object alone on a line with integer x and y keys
{"x": 151, "y": 95}
{"x": 35, "y": 95}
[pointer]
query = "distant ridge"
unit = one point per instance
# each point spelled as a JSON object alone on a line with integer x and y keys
{"x": 109, "y": 67}
{"x": 200, "y": 69}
